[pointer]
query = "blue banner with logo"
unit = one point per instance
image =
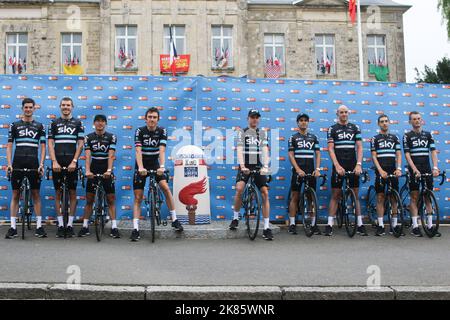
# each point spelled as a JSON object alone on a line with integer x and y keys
{"x": 206, "y": 111}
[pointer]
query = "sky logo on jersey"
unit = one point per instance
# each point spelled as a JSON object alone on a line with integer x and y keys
{"x": 420, "y": 143}
{"x": 65, "y": 129}
{"x": 345, "y": 136}
{"x": 387, "y": 145}
{"x": 28, "y": 133}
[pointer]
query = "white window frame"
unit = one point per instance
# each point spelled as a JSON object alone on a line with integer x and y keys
{"x": 221, "y": 37}
{"x": 323, "y": 46}
{"x": 176, "y": 37}
{"x": 126, "y": 37}
{"x": 16, "y": 46}
{"x": 273, "y": 45}
{"x": 377, "y": 46}
{"x": 72, "y": 44}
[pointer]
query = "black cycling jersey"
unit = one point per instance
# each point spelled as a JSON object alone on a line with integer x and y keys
{"x": 99, "y": 145}
{"x": 344, "y": 138}
{"x": 386, "y": 146}
{"x": 27, "y": 136}
{"x": 150, "y": 141}
{"x": 304, "y": 148}
{"x": 419, "y": 145}
{"x": 252, "y": 141}
{"x": 66, "y": 133}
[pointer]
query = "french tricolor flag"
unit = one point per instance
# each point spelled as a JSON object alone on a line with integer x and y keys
{"x": 173, "y": 52}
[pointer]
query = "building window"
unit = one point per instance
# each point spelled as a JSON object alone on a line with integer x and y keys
{"x": 376, "y": 51}
{"x": 222, "y": 49}
{"x": 16, "y": 51}
{"x": 178, "y": 34}
{"x": 71, "y": 44}
{"x": 325, "y": 54}
{"x": 126, "y": 47}
{"x": 274, "y": 51}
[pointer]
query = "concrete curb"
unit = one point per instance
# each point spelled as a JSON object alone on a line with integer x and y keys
{"x": 214, "y": 293}
{"x": 27, "y": 291}
{"x": 337, "y": 293}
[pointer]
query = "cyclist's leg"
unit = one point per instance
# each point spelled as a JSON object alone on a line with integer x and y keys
{"x": 265, "y": 205}
{"x": 90, "y": 197}
{"x": 312, "y": 185}
{"x": 240, "y": 185}
{"x": 336, "y": 185}
{"x": 162, "y": 182}
{"x": 16, "y": 181}
{"x": 379, "y": 189}
{"x": 37, "y": 205}
{"x": 295, "y": 194}
{"x": 58, "y": 196}
{"x": 110, "y": 190}
{"x": 72, "y": 180}
{"x": 138, "y": 186}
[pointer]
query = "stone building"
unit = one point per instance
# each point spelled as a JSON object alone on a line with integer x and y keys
{"x": 312, "y": 39}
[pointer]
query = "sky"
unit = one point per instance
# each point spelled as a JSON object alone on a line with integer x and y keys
{"x": 426, "y": 39}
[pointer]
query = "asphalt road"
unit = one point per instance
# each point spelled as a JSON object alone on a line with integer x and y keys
{"x": 288, "y": 260}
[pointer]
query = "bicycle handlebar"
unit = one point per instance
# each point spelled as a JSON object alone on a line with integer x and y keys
{"x": 9, "y": 172}
{"x": 310, "y": 175}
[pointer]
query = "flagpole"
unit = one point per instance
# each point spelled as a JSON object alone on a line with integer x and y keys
{"x": 360, "y": 47}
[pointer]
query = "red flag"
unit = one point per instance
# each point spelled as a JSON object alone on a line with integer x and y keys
{"x": 352, "y": 10}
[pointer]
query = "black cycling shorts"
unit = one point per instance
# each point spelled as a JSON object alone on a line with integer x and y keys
{"x": 108, "y": 185}
{"x": 260, "y": 180}
{"x": 296, "y": 185}
{"x": 337, "y": 180}
{"x": 415, "y": 185}
{"x": 140, "y": 182}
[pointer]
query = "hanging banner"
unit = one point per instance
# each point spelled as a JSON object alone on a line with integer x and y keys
{"x": 181, "y": 63}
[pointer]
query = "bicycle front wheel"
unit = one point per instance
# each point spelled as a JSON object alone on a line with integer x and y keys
{"x": 371, "y": 206}
{"x": 253, "y": 213}
{"x": 152, "y": 202}
{"x": 429, "y": 213}
{"x": 99, "y": 215}
{"x": 394, "y": 210}
{"x": 349, "y": 208}
{"x": 26, "y": 202}
{"x": 309, "y": 207}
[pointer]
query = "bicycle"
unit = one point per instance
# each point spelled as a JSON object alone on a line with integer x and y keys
{"x": 65, "y": 206}
{"x": 252, "y": 204}
{"x": 346, "y": 212}
{"x": 405, "y": 199}
{"x": 428, "y": 194}
{"x": 101, "y": 207}
{"x": 26, "y": 208}
{"x": 154, "y": 201}
{"x": 391, "y": 197}
{"x": 307, "y": 205}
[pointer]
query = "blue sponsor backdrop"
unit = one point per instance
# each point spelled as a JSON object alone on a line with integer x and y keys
{"x": 221, "y": 104}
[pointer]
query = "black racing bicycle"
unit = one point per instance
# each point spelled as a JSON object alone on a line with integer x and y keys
{"x": 100, "y": 208}
{"x": 429, "y": 218}
{"x": 252, "y": 203}
{"x": 154, "y": 200}
{"x": 346, "y": 212}
{"x": 26, "y": 204}
{"x": 307, "y": 205}
{"x": 65, "y": 203}
{"x": 393, "y": 207}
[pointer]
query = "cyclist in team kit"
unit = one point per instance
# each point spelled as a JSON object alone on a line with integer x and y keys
{"x": 29, "y": 137}
{"x": 65, "y": 144}
{"x": 387, "y": 158}
{"x": 303, "y": 148}
{"x": 100, "y": 149}
{"x": 150, "y": 143}
{"x": 252, "y": 152}
{"x": 346, "y": 152}
{"x": 417, "y": 145}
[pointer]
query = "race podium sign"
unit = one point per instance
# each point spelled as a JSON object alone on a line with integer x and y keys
{"x": 191, "y": 186}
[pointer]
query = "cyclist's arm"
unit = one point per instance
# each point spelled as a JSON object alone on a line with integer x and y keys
{"x": 292, "y": 160}
{"x": 80, "y": 145}
{"x": 359, "y": 151}
{"x": 88, "y": 160}
{"x": 332, "y": 154}
{"x": 434, "y": 158}
{"x": 375, "y": 161}
{"x": 398, "y": 157}
{"x": 41, "y": 163}
{"x": 51, "y": 149}
{"x": 111, "y": 157}
{"x": 265, "y": 156}
{"x": 162, "y": 155}
{"x": 139, "y": 157}
{"x": 318, "y": 159}
{"x": 9, "y": 147}
{"x": 240, "y": 156}
{"x": 410, "y": 162}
